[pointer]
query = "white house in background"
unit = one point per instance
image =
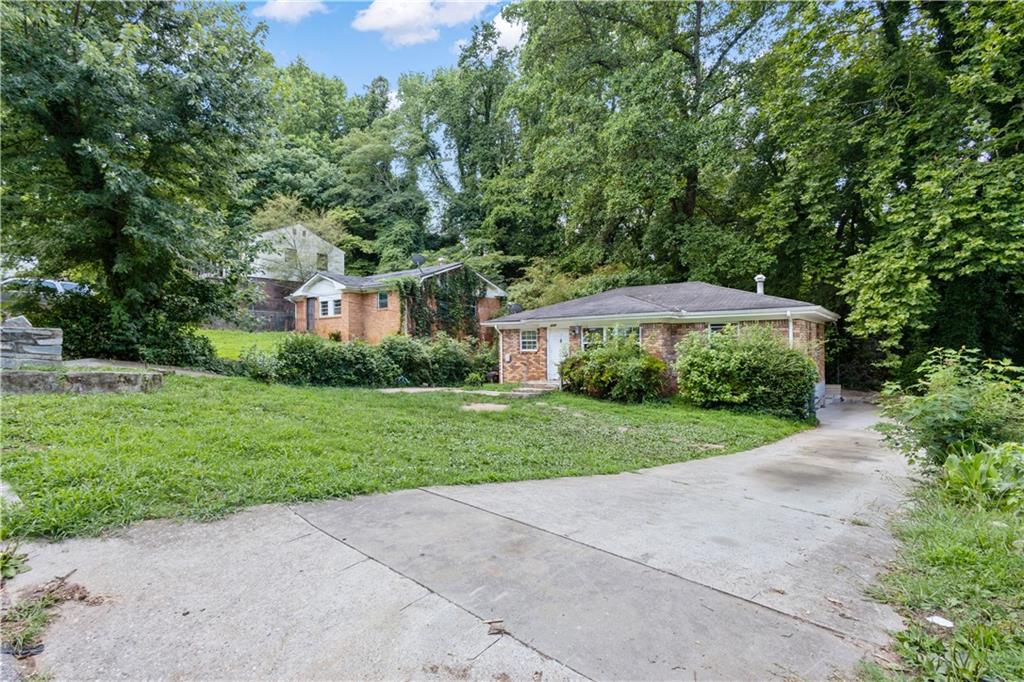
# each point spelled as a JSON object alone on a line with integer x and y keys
{"x": 293, "y": 253}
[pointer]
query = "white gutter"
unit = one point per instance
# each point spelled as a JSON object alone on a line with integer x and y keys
{"x": 501, "y": 358}
{"x": 814, "y": 313}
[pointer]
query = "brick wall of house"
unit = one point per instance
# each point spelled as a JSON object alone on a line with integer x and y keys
{"x": 370, "y": 323}
{"x": 661, "y": 339}
{"x": 361, "y": 318}
{"x": 487, "y": 308}
{"x": 523, "y": 365}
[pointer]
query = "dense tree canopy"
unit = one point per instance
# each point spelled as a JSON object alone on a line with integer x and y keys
{"x": 865, "y": 156}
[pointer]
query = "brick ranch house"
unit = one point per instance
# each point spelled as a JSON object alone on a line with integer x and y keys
{"x": 532, "y": 343}
{"x": 370, "y": 307}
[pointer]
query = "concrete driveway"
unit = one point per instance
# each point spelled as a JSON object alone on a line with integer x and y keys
{"x": 744, "y": 566}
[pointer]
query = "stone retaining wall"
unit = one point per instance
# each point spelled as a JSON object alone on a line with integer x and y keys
{"x": 30, "y": 345}
{"x": 14, "y": 381}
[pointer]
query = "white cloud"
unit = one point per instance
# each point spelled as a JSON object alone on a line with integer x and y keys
{"x": 410, "y": 23}
{"x": 510, "y": 34}
{"x": 456, "y": 48}
{"x": 290, "y": 11}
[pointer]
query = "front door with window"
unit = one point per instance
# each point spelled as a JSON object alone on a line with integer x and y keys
{"x": 558, "y": 348}
{"x": 310, "y": 314}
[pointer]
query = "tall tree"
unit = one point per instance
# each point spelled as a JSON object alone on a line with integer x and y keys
{"x": 626, "y": 111}
{"x": 893, "y": 143}
{"x": 124, "y": 125}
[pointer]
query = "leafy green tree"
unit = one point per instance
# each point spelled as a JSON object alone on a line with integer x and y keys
{"x": 125, "y": 123}
{"x": 893, "y": 137}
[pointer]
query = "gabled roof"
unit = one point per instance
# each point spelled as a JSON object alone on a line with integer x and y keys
{"x": 380, "y": 280}
{"x": 670, "y": 301}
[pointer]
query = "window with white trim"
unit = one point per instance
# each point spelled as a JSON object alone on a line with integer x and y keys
{"x": 382, "y": 300}
{"x": 330, "y": 306}
{"x": 591, "y": 336}
{"x": 716, "y": 328}
{"x": 528, "y": 339}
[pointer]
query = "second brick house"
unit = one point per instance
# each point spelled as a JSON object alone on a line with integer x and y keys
{"x": 374, "y": 306}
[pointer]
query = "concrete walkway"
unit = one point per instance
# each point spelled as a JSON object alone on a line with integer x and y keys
{"x": 746, "y": 566}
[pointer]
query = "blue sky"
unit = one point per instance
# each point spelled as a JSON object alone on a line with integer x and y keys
{"x": 359, "y": 40}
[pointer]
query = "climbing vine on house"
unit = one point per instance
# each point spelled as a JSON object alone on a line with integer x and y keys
{"x": 444, "y": 303}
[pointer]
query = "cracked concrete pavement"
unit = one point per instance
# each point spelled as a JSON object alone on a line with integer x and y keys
{"x": 744, "y": 566}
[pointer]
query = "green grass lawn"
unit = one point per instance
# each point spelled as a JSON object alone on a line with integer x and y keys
{"x": 201, "y": 447}
{"x": 229, "y": 343}
{"x": 967, "y": 566}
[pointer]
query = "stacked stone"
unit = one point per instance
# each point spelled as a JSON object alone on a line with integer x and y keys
{"x": 22, "y": 344}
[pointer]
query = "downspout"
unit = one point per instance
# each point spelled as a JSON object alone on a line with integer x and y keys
{"x": 789, "y": 320}
{"x": 501, "y": 357}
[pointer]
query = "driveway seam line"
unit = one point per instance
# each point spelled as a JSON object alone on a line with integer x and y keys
{"x": 832, "y": 630}
{"x": 432, "y": 591}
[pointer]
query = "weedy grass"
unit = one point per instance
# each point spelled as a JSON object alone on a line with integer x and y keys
{"x": 966, "y": 565}
{"x": 202, "y": 447}
{"x": 229, "y": 343}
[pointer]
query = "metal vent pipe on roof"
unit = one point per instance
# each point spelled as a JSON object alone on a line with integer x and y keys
{"x": 760, "y": 284}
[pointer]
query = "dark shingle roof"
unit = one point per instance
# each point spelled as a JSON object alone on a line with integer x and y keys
{"x": 374, "y": 281}
{"x": 671, "y": 299}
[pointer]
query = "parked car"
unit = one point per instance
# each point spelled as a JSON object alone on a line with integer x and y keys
{"x": 14, "y": 285}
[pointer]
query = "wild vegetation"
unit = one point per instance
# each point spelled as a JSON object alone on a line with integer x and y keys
{"x": 202, "y": 447}
{"x": 752, "y": 370}
{"x": 618, "y": 369}
{"x": 963, "y": 553}
{"x": 865, "y": 156}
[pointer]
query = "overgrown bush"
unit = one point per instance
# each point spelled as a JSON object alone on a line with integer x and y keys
{"x": 450, "y": 360}
{"x": 258, "y": 365}
{"x": 93, "y": 328}
{"x": 959, "y": 403}
{"x": 398, "y": 360}
{"x": 619, "y": 369}
{"x": 749, "y": 368}
{"x": 356, "y": 363}
{"x": 412, "y": 358}
{"x": 989, "y": 478}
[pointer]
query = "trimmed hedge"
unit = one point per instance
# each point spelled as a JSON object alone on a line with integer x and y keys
{"x": 398, "y": 361}
{"x": 750, "y": 369}
{"x": 619, "y": 369}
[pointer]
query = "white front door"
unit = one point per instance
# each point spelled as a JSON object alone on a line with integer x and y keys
{"x": 558, "y": 348}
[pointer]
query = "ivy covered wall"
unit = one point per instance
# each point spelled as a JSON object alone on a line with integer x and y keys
{"x": 445, "y": 303}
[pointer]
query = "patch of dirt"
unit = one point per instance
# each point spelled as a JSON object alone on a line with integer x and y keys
{"x": 484, "y": 407}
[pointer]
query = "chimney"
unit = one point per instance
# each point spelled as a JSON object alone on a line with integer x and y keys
{"x": 760, "y": 284}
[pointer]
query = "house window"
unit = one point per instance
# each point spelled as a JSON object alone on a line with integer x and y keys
{"x": 591, "y": 336}
{"x": 716, "y": 329}
{"x": 528, "y": 340}
{"x": 330, "y": 306}
{"x": 382, "y": 300}
{"x": 321, "y": 261}
{"x": 627, "y": 331}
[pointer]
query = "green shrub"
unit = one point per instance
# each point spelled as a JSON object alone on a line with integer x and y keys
{"x": 309, "y": 359}
{"x": 412, "y": 358}
{"x": 475, "y": 379}
{"x": 751, "y": 368}
{"x": 990, "y": 478}
{"x": 357, "y": 363}
{"x": 258, "y": 365}
{"x": 450, "y": 360}
{"x": 301, "y": 359}
{"x": 958, "y": 403}
{"x": 619, "y": 369}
